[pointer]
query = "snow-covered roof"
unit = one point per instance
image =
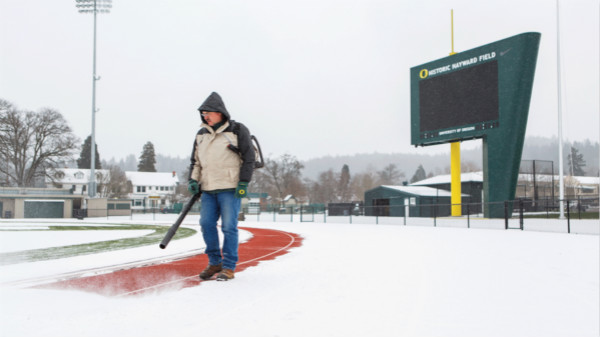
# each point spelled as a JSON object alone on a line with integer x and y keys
{"x": 446, "y": 179}
{"x": 478, "y": 177}
{"x": 152, "y": 178}
{"x": 76, "y": 175}
{"x": 82, "y": 176}
{"x": 422, "y": 191}
{"x": 569, "y": 180}
{"x": 588, "y": 180}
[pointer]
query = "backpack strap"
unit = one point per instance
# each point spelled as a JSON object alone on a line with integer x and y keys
{"x": 257, "y": 151}
{"x": 236, "y": 131}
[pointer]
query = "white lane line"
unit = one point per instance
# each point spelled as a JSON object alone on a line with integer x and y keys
{"x": 195, "y": 276}
{"x": 36, "y": 281}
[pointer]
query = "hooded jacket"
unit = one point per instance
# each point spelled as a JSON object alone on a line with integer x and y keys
{"x": 213, "y": 164}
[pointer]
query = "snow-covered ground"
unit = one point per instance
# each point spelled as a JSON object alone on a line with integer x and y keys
{"x": 24, "y": 240}
{"x": 40, "y": 272}
{"x": 346, "y": 280}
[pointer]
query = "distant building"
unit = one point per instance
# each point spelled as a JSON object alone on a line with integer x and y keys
{"x": 152, "y": 189}
{"x": 149, "y": 189}
{"x": 288, "y": 204}
{"x": 584, "y": 187}
{"x": 546, "y": 186}
{"x": 414, "y": 201}
{"x": 22, "y": 202}
{"x": 471, "y": 185}
{"x": 345, "y": 208}
{"x": 76, "y": 180}
{"x": 255, "y": 203}
{"x": 541, "y": 190}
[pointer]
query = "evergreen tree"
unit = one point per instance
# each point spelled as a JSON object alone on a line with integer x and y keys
{"x": 84, "y": 161}
{"x": 344, "y": 184}
{"x": 576, "y": 162}
{"x": 130, "y": 163}
{"x": 419, "y": 174}
{"x": 147, "y": 159}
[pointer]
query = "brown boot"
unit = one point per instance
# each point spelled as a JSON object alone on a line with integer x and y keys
{"x": 225, "y": 275}
{"x": 210, "y": 271}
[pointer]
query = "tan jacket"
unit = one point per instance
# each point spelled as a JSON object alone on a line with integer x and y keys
{"x": 216, "y": 167}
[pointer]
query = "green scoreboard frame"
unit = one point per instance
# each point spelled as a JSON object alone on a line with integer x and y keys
{"x": 480, "y": 93}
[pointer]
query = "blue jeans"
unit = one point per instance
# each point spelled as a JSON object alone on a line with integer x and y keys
{"x": 227, "y": 206}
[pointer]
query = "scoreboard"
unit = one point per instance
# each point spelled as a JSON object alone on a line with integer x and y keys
{"x": 480, "y": 93}
{"x": 469, "y": 94}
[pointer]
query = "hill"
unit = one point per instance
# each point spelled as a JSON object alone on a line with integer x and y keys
{"x": 538, "y": 148}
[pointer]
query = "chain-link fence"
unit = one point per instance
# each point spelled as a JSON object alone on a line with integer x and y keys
{"x": 536, "y": 181}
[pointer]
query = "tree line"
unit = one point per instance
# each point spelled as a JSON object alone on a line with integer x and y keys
{"x": 283, "y": 176}
{"x": 33, "y": 144}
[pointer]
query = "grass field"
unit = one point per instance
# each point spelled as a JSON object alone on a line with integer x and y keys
{"x": 43, "y": 254}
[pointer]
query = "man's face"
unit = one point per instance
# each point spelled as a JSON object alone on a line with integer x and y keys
{"x": 212, "y": 117}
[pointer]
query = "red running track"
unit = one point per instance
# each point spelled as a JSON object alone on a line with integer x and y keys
{"x": 265, "y": 244}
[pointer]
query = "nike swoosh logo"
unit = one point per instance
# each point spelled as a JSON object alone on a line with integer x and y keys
{"x": 504, "y": 52}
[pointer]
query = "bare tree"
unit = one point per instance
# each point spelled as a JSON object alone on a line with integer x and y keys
{"x": 330, "y": 187}
{"x": 261, "y": 182}
{"x": 390, "y": 175}
{"x": 116, "y": 184}
{"x": 363, "y": 182}
{"x": 32, "y": 144}
{"x": 324, "y": 190}
{"x": 285, "y": 176}
{"x": 466, "y": 166}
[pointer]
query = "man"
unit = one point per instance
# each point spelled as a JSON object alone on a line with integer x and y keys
{"x": 221, "y": 167}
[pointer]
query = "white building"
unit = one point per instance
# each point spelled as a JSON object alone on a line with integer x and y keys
{"x": 152, "y": 189}
{"x": 76, "y": 180}
{"x": 149, "y": 189}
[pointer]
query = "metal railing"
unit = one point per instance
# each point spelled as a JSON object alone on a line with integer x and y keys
{"x": 518, "y": 214}
{"x": 580, "y": 215}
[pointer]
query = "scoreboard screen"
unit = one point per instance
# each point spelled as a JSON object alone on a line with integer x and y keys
{"x": 470, "y": 94}
{"x": 465, "y": 97}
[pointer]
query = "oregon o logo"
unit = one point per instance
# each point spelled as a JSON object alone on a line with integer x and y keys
{"x": 242, "y": 192}
{"x": 424, "y": 73}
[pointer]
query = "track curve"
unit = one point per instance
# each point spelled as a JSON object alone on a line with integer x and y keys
{"x": 265, "y": 244}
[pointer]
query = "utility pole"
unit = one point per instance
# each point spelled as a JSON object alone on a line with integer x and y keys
{"x": 95, "y": 7}
{"x": 561, "y": 182}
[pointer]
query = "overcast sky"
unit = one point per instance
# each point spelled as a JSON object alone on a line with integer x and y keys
{"x": 309, "y": 78}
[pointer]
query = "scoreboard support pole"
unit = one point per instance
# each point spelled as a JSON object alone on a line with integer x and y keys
{"x": 455, "y": 182}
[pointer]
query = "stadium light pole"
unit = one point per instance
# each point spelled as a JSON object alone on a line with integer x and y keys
{"x": 561, "y": 183}
{"x": 94, "y": 7}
